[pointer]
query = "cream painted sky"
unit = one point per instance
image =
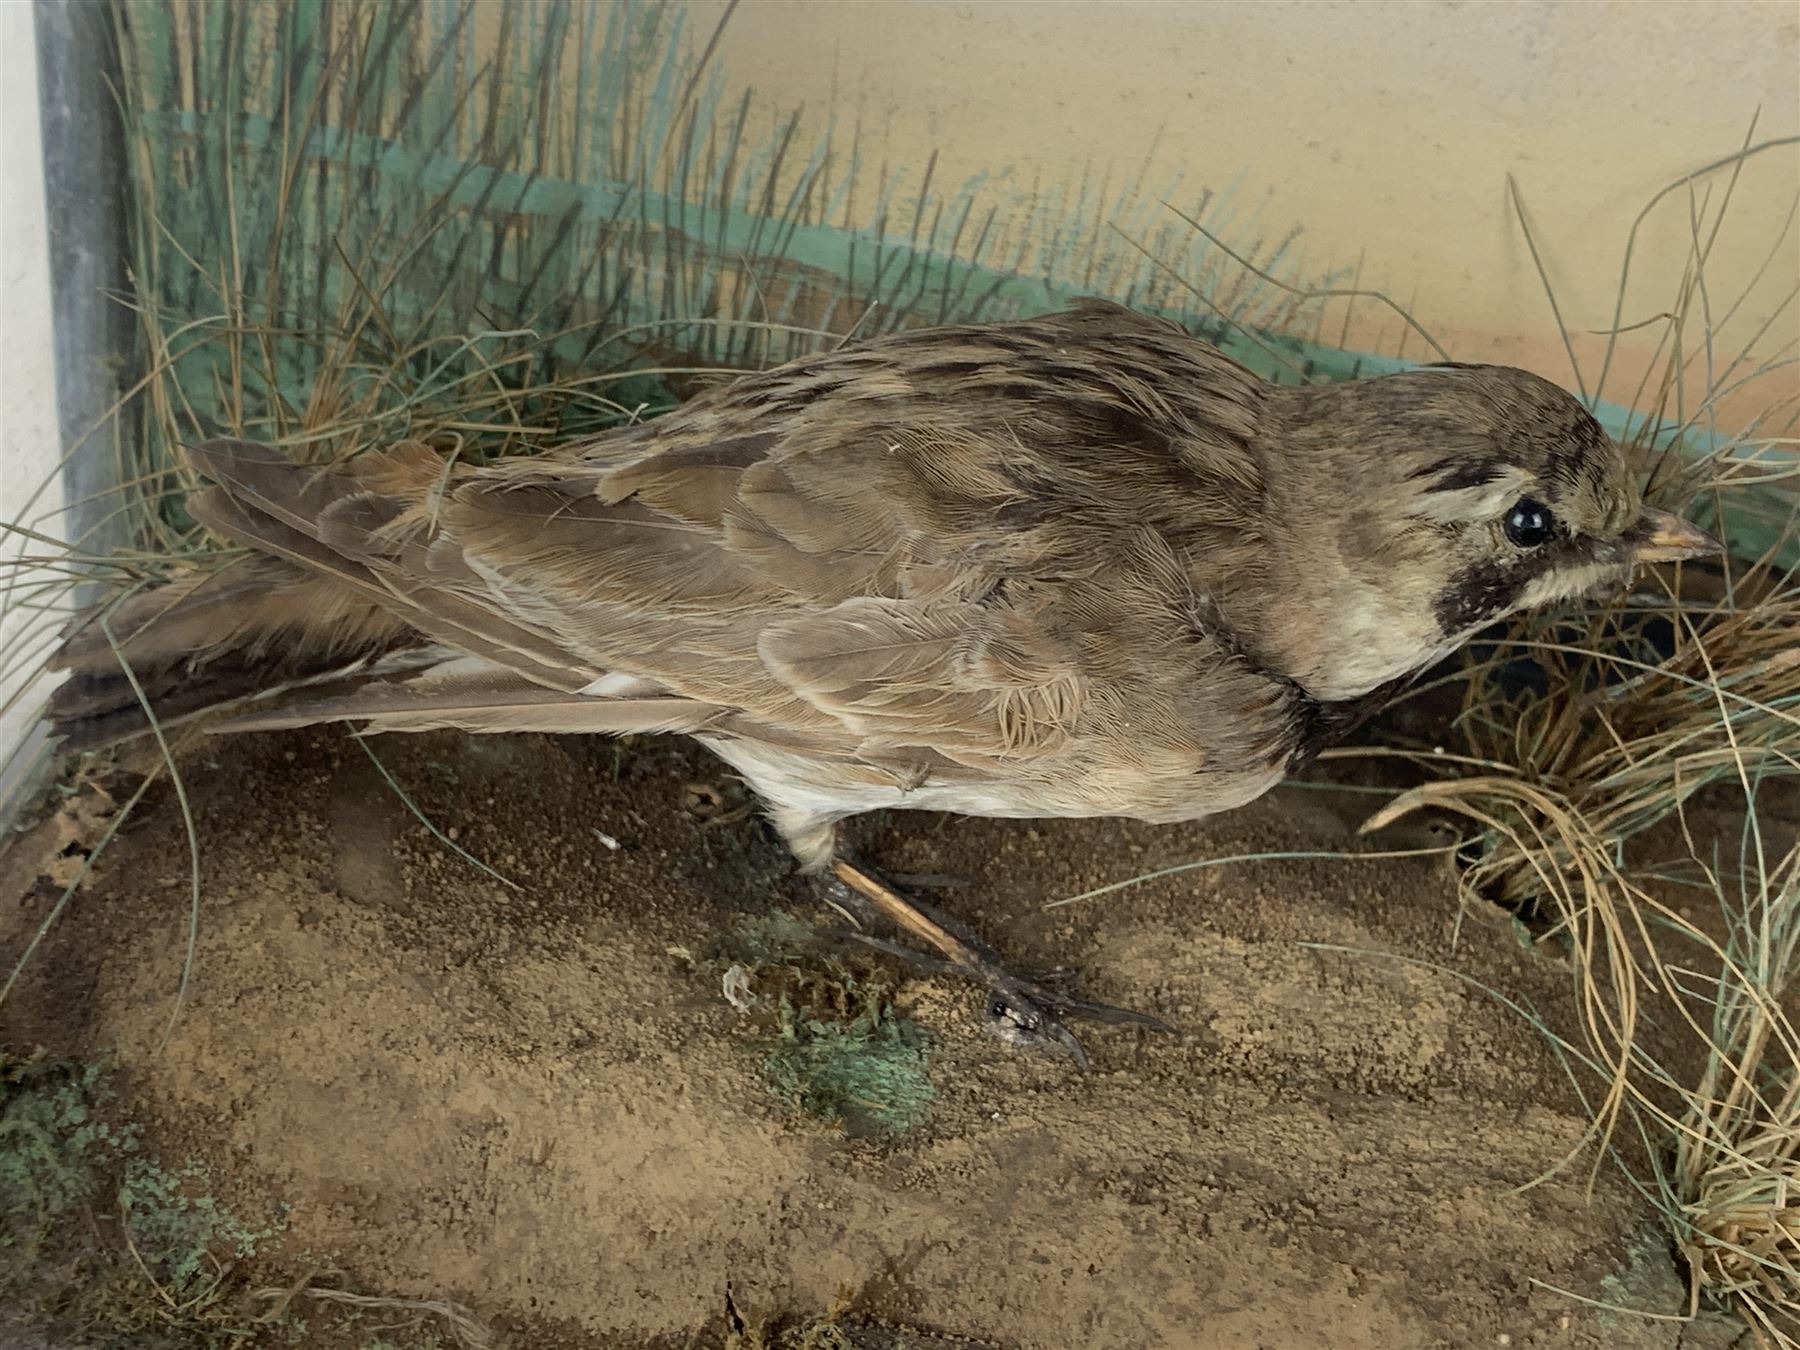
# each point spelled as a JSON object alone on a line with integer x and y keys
{"x": 1385, "y": 129}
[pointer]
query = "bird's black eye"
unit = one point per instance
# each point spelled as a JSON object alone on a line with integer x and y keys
{"x": 1530, "y": 523}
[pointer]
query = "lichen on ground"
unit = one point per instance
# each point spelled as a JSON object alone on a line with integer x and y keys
{"x": 99, "y": 1239}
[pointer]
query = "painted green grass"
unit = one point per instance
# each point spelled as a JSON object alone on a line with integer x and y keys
{"x": 359, "y": 222}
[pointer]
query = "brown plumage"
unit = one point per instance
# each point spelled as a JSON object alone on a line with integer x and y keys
{"x": 1078, "y": 565}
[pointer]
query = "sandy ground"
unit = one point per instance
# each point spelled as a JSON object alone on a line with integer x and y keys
{"x": 534, "y": 1103}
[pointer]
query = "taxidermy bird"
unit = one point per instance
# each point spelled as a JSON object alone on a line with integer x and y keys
{"x": 1082, "y": 565}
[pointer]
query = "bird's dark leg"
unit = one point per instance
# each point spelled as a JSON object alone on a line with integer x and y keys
{"x": 1028, "y": 1011}
{"x": 1023, "y": 1011}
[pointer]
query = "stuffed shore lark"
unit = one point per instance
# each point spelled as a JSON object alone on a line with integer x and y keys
{"x": 1082, "y": 565}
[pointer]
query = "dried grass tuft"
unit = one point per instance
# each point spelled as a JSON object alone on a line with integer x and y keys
{"x": 1736, "y": 1173}
{"x": 1579, "y": 734}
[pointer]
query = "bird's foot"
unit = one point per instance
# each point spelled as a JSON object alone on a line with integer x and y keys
{"x": 1021, "y": 1012}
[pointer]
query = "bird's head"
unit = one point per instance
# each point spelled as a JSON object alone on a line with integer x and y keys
{"x": 1434, "y": 501}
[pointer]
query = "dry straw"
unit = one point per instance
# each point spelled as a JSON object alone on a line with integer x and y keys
{"x": 1687, "y": 690}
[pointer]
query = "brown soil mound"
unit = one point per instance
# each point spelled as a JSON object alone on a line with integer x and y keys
{"x": 533, "y": 1102}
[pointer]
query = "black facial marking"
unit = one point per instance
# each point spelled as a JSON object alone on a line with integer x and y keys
{"x": 1457, "y": 473}
{"x": 1478, "y": 593}
{"x": 1466, "y": 476}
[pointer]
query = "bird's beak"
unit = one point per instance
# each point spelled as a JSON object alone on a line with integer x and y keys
{"x": 1658, "y": 536}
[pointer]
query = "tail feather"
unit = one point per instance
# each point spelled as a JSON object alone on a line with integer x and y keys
{"x": 351, "y": 608}
{"x": 111, "y": 712}
{"x": 471, "y": 695}
{"x": 360, "y": 523}
{"x": 248, "y": 601}
{"x": 253, "y": 626}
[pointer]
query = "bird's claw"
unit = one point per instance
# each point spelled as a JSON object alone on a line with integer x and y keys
{"x": 1019, "y": 1011}
{"x": 1026, "y": 1014}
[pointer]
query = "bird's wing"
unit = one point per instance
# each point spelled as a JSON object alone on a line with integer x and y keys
{"x": 954, "y": 541}
{"x": 973, "y": 542}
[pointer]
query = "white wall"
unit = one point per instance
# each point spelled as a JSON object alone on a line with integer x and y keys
{"x": 30, "y": 437}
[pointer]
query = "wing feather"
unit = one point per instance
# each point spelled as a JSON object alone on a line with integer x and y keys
{"x": 957, "y": 544}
